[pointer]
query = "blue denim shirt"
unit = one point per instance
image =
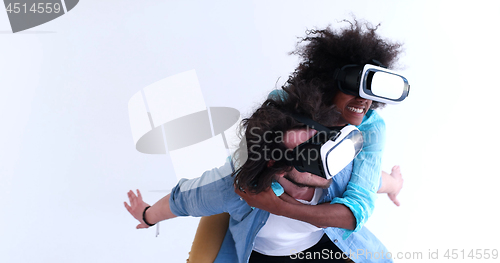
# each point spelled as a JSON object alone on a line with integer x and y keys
{"x": 213, "y": 193}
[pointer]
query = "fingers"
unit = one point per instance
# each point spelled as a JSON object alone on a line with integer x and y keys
{"x": 398, "y": 184}
{"x": 396, "y": 171}
{"x": 141, "y": 226}
{"x": 287, "y": 198}
{"x": 131, "y": 197}
{"x": 129, "y": 209}
{"x": 394, "y": 199}
{"x": 134, "y": 199}
{"x": 139, "y": 194}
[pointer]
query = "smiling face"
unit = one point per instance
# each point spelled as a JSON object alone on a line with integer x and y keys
{"x": 293, "y": 138}
{"x": 352, "y": 108}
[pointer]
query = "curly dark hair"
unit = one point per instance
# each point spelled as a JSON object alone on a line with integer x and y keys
{"x": 323, "y": 51}
{"x": 265, "y": 128}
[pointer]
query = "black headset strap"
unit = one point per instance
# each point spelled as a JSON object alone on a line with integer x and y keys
{"x": 312, "y": 124}
{"x": 340, "y": 73}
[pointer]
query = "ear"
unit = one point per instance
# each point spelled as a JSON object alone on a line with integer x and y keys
{"x": 271, "y": 163}
{"x": 279, "y": 175}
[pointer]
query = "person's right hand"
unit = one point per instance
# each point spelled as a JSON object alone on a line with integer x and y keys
{"x": 136, "y": 207}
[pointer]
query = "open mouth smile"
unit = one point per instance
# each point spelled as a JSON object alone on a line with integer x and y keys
{"x": 356, "y": 110}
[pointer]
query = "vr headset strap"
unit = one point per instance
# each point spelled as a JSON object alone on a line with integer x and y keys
{"x": 339, "y": 75}
{"x": 312, "y": 124}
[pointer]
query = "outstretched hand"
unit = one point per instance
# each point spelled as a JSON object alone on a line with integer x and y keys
{"x": 398, "y": 184}
{"x": 136, "y": 207}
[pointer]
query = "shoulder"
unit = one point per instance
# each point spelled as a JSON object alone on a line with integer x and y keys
{"x": 373, "y": 129}
{"x": 372, "y": 121}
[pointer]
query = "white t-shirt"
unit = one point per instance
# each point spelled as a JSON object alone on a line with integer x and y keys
{"x": 283, "y": 236}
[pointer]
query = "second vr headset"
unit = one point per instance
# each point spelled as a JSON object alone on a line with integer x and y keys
{"x": 372, "y": 82}
{"x": 328, "y": 152}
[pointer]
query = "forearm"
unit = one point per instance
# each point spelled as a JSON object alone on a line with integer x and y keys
{"x": 324, "y": 215}
{"x": 160, "y": 211}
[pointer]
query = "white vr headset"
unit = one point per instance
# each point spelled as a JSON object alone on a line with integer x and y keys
{"x": 372, "y": 82}
{"x": 328, "y": 152}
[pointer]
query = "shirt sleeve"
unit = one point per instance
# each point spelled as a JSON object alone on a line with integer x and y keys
{"x": 362, "y": 188}
{"x": 203, "y": 196}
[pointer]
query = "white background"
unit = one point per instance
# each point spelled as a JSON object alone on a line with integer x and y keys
{"x": 67, "y": 156}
